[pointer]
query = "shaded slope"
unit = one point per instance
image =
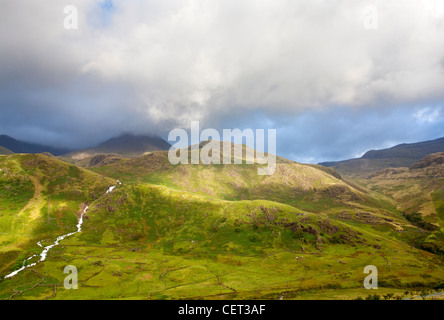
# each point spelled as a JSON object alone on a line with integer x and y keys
{"x": 127, "y": 145}
{"x": 40, "y": 198}
{"x": 307, "y": 187}
{"x": 311, "y": 188}
{"x": 145, "y": 241}
{"x": 292, "y": 183}
{"x": 222, "y": 231}
{"x": 25, "y": 147}
{"x": 418, "y": 192}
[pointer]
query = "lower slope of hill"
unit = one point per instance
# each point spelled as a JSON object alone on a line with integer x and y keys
{"x": 309, "y": 187}
{"x": 418, "y": 192}
{"x": 153, "y": 242}
{"x": 40, "y": 197}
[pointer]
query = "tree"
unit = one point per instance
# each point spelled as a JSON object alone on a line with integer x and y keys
{"x": 424, "y": 293}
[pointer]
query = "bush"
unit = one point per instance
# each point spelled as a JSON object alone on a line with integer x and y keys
{"x": 136, "y": 236}
{"x": 417, "y": 220}
{"x": 373, "y": 297}
{"x": 254, "y": 238}
{"x": 388, "y": 296}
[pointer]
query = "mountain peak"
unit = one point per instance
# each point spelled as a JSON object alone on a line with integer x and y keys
{"x": 18, "y": 146}
{"x": 131, "y": 143}
{"x": 127, "y": 144}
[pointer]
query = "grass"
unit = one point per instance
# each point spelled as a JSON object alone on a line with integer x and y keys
{"x": 41, "y": 198}
{"x": 210, "y": 232}
{"x": 153, "y": 242}
{"x": 418, "y": 193}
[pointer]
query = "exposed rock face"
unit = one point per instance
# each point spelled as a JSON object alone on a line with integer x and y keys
{"x": 434, "y": 159}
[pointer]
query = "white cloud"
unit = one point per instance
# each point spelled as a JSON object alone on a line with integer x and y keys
{"x": 428, "y": 114}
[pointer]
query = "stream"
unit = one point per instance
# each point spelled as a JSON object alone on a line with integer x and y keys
{"x": 46, "y": 249}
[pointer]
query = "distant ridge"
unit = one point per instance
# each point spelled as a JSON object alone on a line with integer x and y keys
{"x": 18, "y": 146}
{"x": 402, "y": 155}
{"x": 414, "y": 151}
{"x": 128, "y": 145}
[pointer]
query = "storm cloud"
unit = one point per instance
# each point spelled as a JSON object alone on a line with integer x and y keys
{"x": 332, "y": 87}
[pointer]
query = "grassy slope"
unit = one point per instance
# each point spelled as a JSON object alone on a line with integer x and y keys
{"x": 146, "y": 241}
{"x": 303, "y": 186}
{"x": 224, "y": 232}
{"x": 361, "y": 168}
{"x": 418, "y": 192}
{"x": 40, "y": 198}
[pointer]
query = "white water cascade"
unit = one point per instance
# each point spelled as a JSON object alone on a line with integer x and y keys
{"x": 46, "y": 249}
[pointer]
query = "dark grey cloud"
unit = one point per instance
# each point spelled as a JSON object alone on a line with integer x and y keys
{"x": 332, "y": 88}
{"x": 339, "y": 133}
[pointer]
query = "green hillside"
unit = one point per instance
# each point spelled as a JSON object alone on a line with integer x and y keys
{"x": 207, "y": 232}
{"x": 152, "y": 242}
{"x": 40, "y": 198}
{"x": 418, "y": 192}
{"x": 305, "y": 186}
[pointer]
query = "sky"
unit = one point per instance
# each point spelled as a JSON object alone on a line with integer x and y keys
{"x": 335, "y": 78}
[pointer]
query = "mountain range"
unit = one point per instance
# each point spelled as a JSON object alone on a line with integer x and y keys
{"x": 17, "y": 146}
{"x": 153, "y": 230}
{"x": 128, "y": 145}
{"x": 403, "y": 155}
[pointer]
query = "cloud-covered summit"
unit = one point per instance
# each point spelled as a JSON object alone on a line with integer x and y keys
{"x": 307, "y": 68}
